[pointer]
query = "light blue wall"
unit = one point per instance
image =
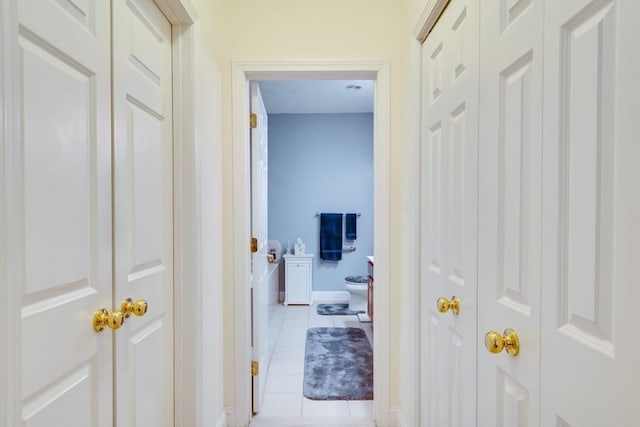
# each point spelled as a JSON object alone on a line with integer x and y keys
{"x": 321, "y": 163}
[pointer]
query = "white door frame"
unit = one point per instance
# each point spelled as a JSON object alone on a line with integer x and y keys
{"x": 187, "y": 226}
{"x": 10, "y": 107}
{"x": 182, "y": 15}
{"x": 242, "y": 72}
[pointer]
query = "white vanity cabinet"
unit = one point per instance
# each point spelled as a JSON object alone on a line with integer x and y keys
{"x": 297, "y": 279}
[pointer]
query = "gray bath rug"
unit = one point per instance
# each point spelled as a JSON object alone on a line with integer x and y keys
{"x": 338, "y": 365}
{"x": 335, "y": 310}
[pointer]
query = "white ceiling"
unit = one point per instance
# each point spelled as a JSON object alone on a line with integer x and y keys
{"x": 317, "y": 96}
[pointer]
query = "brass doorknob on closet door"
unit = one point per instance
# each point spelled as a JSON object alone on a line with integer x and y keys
{"x": 102, "y": 318}
{"x": 128, "y": 306}
{"x": 445, "y": 305}
{"x": 495, "y": 343}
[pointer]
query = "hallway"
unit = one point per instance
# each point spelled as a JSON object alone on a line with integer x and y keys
{"x": 283, "y": 402}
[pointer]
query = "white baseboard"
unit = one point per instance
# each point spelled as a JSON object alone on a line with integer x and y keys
{"x": 309, "y": 421}
{"x": 397, "y": 419}
{"x": 227, "y": 417}
{"x": 330, "y": 296}
{"x": 222, "y": 420}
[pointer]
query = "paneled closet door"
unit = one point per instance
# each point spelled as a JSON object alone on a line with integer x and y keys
{"x": 58, "y": 214}
{"x": 449, "y": 217}
{"x": 58, "y": 211}
{"x": 143, "y": 212}
{"x": 509, "y": 229}
{"x": 590, "y": 268}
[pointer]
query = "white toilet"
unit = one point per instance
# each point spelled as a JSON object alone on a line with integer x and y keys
{"x": 357, "y": 287}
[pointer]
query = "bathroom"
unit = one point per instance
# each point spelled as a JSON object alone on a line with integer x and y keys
{"x": 320, "y": 160}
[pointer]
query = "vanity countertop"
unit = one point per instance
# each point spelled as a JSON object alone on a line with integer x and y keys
{"x": 305, "y": 255}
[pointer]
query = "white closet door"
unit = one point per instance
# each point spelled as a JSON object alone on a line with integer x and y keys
{"x": 143, "y": 211}
{"x": 449, "y": 217}
{"x": 591, "y": 207}
{"x": 509, "y": 229}
{"x": 58, "y": 215}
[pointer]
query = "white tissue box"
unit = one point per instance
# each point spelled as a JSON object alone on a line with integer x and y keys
{"x": 298, "y": 249}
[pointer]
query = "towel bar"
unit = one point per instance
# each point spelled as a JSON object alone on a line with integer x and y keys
{"x": 318, "y": 214}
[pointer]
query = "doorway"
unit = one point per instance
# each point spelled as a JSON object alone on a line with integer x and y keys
{"x": 242, "y": 74}
{"x": 320, "y": 159}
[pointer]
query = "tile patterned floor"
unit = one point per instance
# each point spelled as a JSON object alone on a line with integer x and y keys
{"x": 283, "y": 389}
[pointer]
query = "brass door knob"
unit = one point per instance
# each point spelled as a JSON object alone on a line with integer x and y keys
{"x": 128, "y": 306}
{"x": 445, "y": 305}
{"x": 102, "y": 318}
{"x": 509, "y": 342}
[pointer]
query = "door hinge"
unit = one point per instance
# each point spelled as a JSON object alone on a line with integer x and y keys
{"x": 253, "y": 120}
{"x": 254, "y": 245}
{"x": 255, "y": 368}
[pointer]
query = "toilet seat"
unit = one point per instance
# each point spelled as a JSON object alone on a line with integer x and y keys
{"x": 357, "y": 286}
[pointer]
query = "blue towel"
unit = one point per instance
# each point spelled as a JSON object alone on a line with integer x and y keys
{"x": 350, "y": 226}
{"x": 331, "y": 236}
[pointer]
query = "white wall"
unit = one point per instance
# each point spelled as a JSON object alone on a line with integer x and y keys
{"x": 322, "y": 163}
{"x": 347, "y": 30}
{"x": 209, "y": 142}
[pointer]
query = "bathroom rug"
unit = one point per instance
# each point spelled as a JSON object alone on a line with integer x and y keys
{"x": 335, "y": 310}
{"x": 338, "y": 364}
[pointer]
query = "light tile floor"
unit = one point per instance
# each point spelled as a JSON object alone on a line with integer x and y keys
{"x": 283, "y": 389}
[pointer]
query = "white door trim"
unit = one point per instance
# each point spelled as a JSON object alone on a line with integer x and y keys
{"x": 9, "y": 161}
{"x": 187, "y": 226}
{"x": 430, "y": 14}
{"x": 242, "y": 72}
{"x": 178, "y": 12}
